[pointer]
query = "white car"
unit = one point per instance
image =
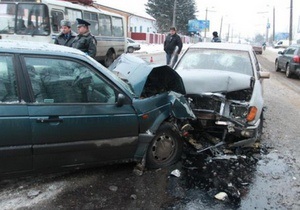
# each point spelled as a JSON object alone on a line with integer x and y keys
{"x": 224, "y": 84}
{"x": 132, "y": 45}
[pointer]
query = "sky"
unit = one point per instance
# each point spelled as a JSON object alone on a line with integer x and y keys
{"x": 245, "y": 18}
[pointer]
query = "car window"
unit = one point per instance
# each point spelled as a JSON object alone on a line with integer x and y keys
{"x": 290, "y": 51}
{"x": 215, "y": 59}
{"x": 8, "y": 89}
{"x": 65, "y": 81}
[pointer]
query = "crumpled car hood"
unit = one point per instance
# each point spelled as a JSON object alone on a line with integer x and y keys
{"x": 203, "y": 81}
{"x": 146, "y": 79}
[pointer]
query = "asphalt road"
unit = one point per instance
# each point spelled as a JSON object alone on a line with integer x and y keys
{"x": 272, "y": 179}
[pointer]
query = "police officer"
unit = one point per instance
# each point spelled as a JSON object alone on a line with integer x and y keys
{"x": 66, "y": 35}
{"x": 85, "y": 41}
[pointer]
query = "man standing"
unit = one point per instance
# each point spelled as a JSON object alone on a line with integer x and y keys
{"x": 172, "y": 41}
{"x": 66, "y": 35}
{"x": 85, "y": 41}
{"x": 215, "y": 37}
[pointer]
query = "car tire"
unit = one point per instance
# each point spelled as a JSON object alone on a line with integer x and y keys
{"x": 288, "y": 72}
{"x": 165, "y": 148}
{"x": 109, "y": 58}
{"x": 277, "y": 66}
{"x": 130, "y": 49}
{"x": 260, "y": 126}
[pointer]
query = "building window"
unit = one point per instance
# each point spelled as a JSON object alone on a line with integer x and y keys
{"x": 141, "y": 29}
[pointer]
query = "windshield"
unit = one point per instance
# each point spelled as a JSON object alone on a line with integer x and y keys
{"x": 24, "y": 18}
{"x": 216, "y": 59}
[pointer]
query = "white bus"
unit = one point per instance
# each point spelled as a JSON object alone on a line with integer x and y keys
{"x": 39, "y": 20}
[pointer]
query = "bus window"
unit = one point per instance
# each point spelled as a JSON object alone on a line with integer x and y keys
{"x": 92, "y": 18}
{"x": 72, "y": 15}
{"x": 105, "y": 25}
{"x": 33, "y": 19}
{"x": 57, "y": 16}
{"x": 7, "y": 16}
{"x": 117, "y": 24}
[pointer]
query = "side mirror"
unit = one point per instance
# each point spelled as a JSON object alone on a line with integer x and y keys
{"x": 120, "y": 100}
{"x": 264, "y": 75}
{"x": 280, "y": 52}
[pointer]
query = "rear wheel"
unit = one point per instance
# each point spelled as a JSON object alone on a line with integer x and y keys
{"x": 277, "y": 66}
{"x": 109, "y": 58}
{"x": 166, "y": 147}
{"x": 288, "y": 72}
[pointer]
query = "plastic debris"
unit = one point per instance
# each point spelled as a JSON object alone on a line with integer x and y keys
{"x": 221, "y": 196}
{"x": 176, "y": 173}
{"x": 113, "y": 188}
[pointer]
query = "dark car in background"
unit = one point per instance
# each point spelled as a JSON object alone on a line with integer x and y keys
{"x": 60, "y": 109}
{"x": 223, "y": 82}
{"x": 257, "y": 47}
{"x": 289, "y": 61}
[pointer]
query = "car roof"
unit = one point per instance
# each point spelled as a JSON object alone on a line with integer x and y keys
{"x": 36, "y": 47}
{"x": 226, "y": 46}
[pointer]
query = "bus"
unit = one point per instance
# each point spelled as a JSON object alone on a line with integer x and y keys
{"x": 39, "y": 20}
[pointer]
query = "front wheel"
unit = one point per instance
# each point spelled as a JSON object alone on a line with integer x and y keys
{"x": 277, "y": 66}
{"x": 165, "y": 149}
{"x": 260, "y": 126}
{"x": 130, "y": 49}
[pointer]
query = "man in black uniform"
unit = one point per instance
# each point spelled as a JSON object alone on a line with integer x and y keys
{"x": 85, "y": 41}
{"x": 66, "y": 36}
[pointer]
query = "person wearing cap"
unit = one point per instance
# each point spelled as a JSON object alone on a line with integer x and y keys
{"x": 66, "y": 35}
{"x": 172, "y": 42}
{"x": 85, "y": 41}
{"x": 215, "y": 37}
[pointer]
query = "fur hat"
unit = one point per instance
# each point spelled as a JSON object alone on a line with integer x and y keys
{"x": 65, "y": 23}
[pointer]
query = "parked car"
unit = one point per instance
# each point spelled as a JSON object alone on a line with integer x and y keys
{"x": 289, "y": 61}
{"x": 257, "y": 47}
{"x": 132, "y": 45}
{"x": 60, "y": 109}
{"x": 224, "y": 84}
{"x": 282, "y": 44}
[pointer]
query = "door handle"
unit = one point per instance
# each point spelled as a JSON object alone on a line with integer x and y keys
{"x": 49, "y": 120}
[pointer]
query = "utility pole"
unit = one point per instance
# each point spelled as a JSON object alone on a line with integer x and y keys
{"x": 205, "y": 24}
{"x": 174, "y": 13}
{"x": 273, "y": 24}
{"x": 291, "y": 23}
{"x": 220, "y": 35}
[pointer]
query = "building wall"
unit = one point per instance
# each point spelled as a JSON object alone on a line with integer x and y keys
{"x": 141, "y": 25}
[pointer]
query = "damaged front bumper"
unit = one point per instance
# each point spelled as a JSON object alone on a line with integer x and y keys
{"x": 225, "y": 119}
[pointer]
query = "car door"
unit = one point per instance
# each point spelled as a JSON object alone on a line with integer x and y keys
{"x": 74, "y": 117}
{"x": 287, "y": 56}
{"x": 15, "y": 130}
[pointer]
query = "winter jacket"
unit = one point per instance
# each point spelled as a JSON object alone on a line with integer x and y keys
{"x": 61, "y": 39}
{"x": 171, "y": 42}
{"x": 216, "y": 39}
{"x": 86, "y": 43}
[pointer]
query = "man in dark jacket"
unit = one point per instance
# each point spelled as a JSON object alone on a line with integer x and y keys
{"x": 85, "y": 41}
{"x": 66, "y": 36}
{"x": 172, "y": 41}
{"x": 215, "y": 37}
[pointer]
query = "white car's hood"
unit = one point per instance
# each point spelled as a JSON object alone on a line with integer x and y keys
{"x": 202, "y": 81}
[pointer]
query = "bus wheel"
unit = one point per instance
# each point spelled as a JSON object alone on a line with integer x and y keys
{"x": 109, "y": 58}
